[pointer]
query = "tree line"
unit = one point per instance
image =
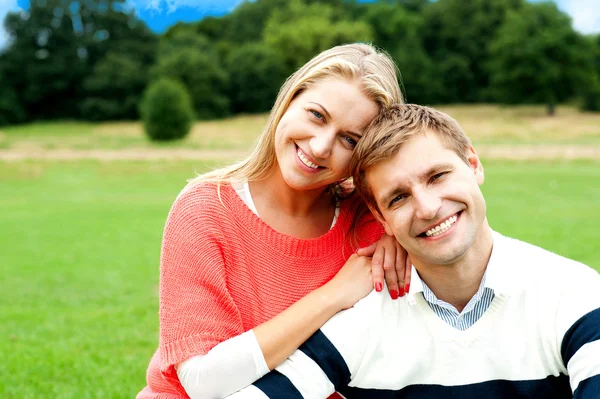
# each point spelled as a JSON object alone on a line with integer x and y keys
{"x": 93, "y": 59}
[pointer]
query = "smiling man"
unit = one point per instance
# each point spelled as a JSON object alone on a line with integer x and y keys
{"x": 487, "y": 316}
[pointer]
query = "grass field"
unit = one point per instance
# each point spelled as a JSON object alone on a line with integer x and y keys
{"x": 485, "y": 124}
{"x": 80, "y": 243}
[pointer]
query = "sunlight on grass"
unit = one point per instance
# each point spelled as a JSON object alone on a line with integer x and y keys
{"x": 81, "y": 245}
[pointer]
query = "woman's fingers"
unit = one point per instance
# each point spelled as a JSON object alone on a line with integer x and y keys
{"x": 391, "y": 275}
{"x": 377, "y": 266}
{"x": 407, "y": 274}
{"x": 367, "y": 251}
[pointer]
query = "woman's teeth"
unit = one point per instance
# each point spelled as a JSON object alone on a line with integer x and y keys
{"x": 305, "y": 160}
{"x": 442, "y": 227}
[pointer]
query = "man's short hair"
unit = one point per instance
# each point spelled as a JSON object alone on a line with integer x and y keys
{"x": 391, "y": 129}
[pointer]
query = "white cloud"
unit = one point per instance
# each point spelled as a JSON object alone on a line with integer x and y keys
{"x": 6, "y": 6}
{"x": 585, "y": 14}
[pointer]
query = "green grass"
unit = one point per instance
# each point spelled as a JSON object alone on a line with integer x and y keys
{"x": 80, "y": 251}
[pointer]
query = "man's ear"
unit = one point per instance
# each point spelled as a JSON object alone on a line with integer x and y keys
{"x": 381, "y": 220}
{"x": 476, "y": 165}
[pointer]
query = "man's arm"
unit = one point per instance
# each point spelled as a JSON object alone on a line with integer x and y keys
{"x": 579, "y": 318}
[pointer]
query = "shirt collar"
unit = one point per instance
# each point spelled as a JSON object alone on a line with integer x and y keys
{"x": 495, "y": 276}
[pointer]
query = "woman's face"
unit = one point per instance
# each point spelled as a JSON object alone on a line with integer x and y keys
{"x": 317, "y": 134}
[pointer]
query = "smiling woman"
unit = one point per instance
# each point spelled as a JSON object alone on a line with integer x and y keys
{"x": 258, "y": 256}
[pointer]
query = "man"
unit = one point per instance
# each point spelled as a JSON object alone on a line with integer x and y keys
{"x": 487, "y": 316}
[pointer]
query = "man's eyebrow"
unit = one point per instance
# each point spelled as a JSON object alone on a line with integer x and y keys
{"x": 387, "y": 196}
{"x": 434, "y": 170}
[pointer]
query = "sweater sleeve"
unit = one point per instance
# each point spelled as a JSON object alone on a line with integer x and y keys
{"x": 578, "y": 323}
{"x": 196, "y": 309}
{"x": 327, "y": 361}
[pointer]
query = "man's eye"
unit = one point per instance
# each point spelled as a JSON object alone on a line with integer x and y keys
{"x": 437, "y": 176}
{"x": 397, "y": 199}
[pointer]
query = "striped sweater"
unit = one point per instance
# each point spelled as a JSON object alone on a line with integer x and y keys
{"x": 223, "y": 271}
{"x": 539, "y": 338}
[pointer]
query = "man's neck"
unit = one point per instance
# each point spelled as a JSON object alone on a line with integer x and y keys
{"x": 458, "y": 282}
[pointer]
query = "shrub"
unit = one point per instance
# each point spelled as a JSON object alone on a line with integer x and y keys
{"x": 166, "y": 110}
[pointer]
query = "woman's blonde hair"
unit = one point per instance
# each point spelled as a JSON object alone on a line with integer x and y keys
{"x": 373, "y": 70}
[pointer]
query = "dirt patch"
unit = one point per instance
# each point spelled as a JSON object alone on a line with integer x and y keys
{"x": 508, "y": 152}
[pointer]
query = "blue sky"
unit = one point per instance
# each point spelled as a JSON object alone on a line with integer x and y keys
{"x": 161, "y": 14}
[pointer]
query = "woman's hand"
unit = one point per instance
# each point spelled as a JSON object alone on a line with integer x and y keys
{"x": 352, "y": 283}
{"x": 391, "y": 261}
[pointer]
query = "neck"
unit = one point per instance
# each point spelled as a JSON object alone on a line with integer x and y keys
{"x": 456, "y": 283}
{"x": 273, "y": 193}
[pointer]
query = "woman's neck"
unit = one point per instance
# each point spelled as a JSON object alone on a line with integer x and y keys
{"x": 300, "y": 213}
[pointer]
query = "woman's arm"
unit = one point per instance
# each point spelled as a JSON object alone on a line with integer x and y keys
{"x": 241, "y": 360}
{"x": 226, "y": 368}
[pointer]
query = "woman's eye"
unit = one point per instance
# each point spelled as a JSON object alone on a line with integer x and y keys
{"x": 350, "y": 141}
{"x": 317, "y": 114}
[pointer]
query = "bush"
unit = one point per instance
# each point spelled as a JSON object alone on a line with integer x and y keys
{"x": 166, "y": 110}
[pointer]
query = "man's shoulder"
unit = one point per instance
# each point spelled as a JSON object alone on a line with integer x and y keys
{"x": 532, "y": 261}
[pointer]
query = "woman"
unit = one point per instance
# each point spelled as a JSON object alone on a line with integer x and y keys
{"x": 257, "y": 256}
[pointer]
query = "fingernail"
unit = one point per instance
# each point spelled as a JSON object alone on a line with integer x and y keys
{"x": 401, "y": 292}
{"x": 378, "y": 287}
{"x": 407, "y": 288}
{"x": 394, "y": 294}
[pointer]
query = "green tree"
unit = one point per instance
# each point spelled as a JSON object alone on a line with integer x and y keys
{"x": 190, "y": 59}
{"x": 301, "y": 31}
{"x": 537, "y": 57}
{"x": 398, "y": 30}
{"x": 590, "y": 90}
{"x": 59, "y": 42}
{"x": 256, "y": 72}
{"x": 456, "y": 35}
{"x": 166, "y": 110}
{"x": 114, "y": 88}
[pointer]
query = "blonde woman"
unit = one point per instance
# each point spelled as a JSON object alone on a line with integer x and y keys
{"x": 257, "y": 256}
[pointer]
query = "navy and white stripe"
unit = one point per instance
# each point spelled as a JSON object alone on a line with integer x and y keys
{"x": 535, "y": 340}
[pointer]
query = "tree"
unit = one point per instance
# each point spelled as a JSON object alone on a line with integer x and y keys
{"x": 590, "y": 91}
{"x": 398, "y": 31}
{"x": 166, "y": 110}
{"x": 190, "y": 59}
{"x": 537, "y": 57}
{"x": 256, "y": 72}
{"x": 301, "y": 31}
{"x": 59, "y": 42}
{"x": 456, "y": 34}
{"x": 114, "y": 88}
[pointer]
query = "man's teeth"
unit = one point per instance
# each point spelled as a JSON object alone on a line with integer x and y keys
{"x": 442, "y": 227}
{"x": 305, "y": 160}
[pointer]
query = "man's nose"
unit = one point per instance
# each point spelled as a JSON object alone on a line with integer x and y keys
{"x": 427, "y": 204}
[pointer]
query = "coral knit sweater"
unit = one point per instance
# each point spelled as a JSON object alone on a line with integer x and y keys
{"x": 223, "y": 271}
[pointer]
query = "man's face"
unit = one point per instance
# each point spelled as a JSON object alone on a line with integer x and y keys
{"x": 430, "y": 199}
